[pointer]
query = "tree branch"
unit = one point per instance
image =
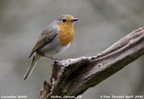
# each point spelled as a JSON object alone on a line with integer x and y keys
{"x": 72, "y": 77}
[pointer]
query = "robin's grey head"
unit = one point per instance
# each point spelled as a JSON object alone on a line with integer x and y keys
{"x": 66, "y": 18}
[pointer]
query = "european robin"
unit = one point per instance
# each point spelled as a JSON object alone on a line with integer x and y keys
{"x": 55, "y": 39}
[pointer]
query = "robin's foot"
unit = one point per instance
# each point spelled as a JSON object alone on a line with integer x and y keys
{"x": 50, "y": 57}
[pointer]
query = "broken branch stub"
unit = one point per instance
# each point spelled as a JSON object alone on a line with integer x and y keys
{"x": 72, "y": 77}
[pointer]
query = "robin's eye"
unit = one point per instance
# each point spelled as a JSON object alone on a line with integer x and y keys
{"x": 64, "y": 20}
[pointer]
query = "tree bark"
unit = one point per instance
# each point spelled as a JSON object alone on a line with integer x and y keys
{"x": 72, "y": 77}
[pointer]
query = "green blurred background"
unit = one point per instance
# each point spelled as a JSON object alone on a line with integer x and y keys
{"x": 101, "y": 23}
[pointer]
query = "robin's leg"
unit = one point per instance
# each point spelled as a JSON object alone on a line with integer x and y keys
{"x": 50, "y": 57}
{"x": 43, "y": 55}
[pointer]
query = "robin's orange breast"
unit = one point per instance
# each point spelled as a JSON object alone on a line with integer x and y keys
{"x": 66, "y": 34}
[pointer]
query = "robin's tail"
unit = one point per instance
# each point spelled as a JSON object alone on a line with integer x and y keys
{"x": 32, "y": 66}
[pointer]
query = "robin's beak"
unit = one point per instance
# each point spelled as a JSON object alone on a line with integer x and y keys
{"x": 75, "y": 19}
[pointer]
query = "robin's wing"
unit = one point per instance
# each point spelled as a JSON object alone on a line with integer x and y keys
{"x": 46, "y": 37}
